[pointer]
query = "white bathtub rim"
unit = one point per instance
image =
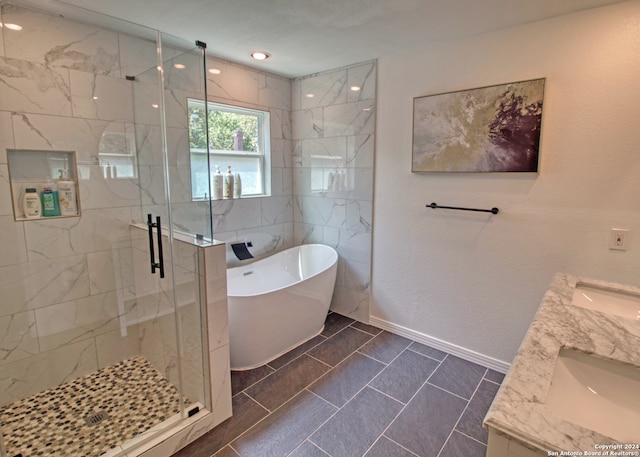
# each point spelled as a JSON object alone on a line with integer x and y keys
{"x": 289, "y": 285}
{"x": 271, "y": 359}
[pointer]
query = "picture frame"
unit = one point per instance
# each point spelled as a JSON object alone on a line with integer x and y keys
{"x": 483, "y": 130}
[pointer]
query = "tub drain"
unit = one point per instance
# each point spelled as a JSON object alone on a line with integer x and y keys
{"x": 96, "y": 418}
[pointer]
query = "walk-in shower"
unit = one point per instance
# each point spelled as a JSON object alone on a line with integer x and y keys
{"x": 98, "y": 356}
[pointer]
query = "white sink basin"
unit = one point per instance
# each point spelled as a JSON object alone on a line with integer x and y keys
{"x": 619, "y": 303}
{"x": 601, "y": 395}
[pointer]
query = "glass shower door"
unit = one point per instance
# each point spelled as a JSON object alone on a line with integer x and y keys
{"x": 169, "y": 308}
{"x": 184, "y": 78}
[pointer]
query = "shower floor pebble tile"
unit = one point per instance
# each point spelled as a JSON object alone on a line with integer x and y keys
{"x": 133, "y": 394}
{"x": 378, "y": 395}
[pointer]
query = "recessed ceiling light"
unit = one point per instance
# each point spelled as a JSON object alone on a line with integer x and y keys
{"x": 214, "y": 71}
{"x": 13, "y": 26}
{"x": 260, "y": 55}
{"x": 95, "y": 97}
{"x": 155, "y": 105}
{"x": 179, "y": 66}
{"x": 309, "y": 95}
{"x": 355, "y": 88}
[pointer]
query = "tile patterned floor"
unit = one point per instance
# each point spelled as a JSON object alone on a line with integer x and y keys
{"x": 356, "y": 391}
{"x": 133, "y": 394}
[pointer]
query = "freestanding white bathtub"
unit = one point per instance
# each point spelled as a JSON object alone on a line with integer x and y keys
{"x": 278, "y": 303}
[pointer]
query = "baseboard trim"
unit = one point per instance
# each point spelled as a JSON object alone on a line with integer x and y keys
{"x": 458, "y": 351}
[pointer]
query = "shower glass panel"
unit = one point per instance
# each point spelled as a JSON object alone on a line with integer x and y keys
{"x": 97, "y": 355}
{"x": 183, "y": 77}
{"x": 160, "y": 100}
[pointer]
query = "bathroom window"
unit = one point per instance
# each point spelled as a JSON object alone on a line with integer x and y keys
{"x": 238, "y": 138}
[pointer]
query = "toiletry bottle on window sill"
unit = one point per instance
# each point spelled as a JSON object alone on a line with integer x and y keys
{"x": 237, "y": 186}
{"x": 228, "y": 184}
{"x": 218, "y": 184}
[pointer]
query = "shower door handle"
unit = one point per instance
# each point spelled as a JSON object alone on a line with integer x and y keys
{"x": 160, "y": 256}
{"x": 158, "y": 226}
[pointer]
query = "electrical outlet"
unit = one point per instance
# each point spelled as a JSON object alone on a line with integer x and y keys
{"x": 619, "y": 239}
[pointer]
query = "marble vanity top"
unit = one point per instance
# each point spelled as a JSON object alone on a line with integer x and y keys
{"x": 519, "y": 407}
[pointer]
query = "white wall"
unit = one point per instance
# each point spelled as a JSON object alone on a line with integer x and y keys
{"x": 474, "y": 279}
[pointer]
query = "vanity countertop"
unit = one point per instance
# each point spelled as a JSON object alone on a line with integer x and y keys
{"x": 519, "y": 407}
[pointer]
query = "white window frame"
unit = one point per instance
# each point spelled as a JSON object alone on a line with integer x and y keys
{"x": 263, "y": 155}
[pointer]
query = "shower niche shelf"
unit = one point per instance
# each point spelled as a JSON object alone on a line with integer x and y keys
{"x": 29, "y": 168}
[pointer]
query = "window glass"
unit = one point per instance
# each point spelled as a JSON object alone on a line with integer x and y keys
{"x": 238, "y": 137}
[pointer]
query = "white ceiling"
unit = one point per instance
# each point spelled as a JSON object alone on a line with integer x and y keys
{"x": 309, "y": 36}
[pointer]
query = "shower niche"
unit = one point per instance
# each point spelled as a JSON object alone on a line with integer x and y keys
{"x": 40, "y": 170}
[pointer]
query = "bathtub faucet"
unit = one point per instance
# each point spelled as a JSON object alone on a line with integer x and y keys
{"x": 241, "y": 250}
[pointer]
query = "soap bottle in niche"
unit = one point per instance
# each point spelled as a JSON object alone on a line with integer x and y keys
{"x": 228, "y": 183}
{"x": 218, "y": 182}
{"x": 50, "y": 203}
{"x": 67, "y": 194}
{"x": 237, "y": 186}
{"x": 31, "y": 204}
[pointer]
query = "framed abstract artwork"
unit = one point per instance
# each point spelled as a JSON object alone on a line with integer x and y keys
{"x": 484, "y": 130}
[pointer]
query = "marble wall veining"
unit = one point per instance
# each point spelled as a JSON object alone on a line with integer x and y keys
{"x": 63, "y": 281}
{"x": 266, "y": 221}
{"x": 311, "y": 138}
{"x": 334, "y": 139}
{"x": 77, "y": 293}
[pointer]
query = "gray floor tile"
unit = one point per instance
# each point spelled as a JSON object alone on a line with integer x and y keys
{"x": 339, "y": 346}
{"x": 384, "y": 447}
{"x": 240, "y": 380}
{"x": 296, "y": 352}
{"x": 334, "y": 323}
{"x": 428, "y": 351}
{"x": 346, "y": 379}
{"x": 385, "y": 347}
{"x": 460, "y": 445}
{"x": 471, "y": 421}
{"x": 357, "y": 425}
{"x": 246, "y": 413}
{"x": 282, "y": 385}
{"x": 366, "y": 388}
{"x": 405, "y": 375}
{"x": 308, "y": 449}
{"x": 285, "y": 429}
{"x": 494, "y": 376}
{"x": 426, "y": 422}
{"x": 366, "y": 328}
{"x": 226, "y": 452}
{"x": 458, "y": 376}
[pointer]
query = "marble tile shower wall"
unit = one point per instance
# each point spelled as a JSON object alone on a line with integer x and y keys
{"x": 266, "y": 221}
{"x": 63, "y": 281}
{"x": 334, "y": 131}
